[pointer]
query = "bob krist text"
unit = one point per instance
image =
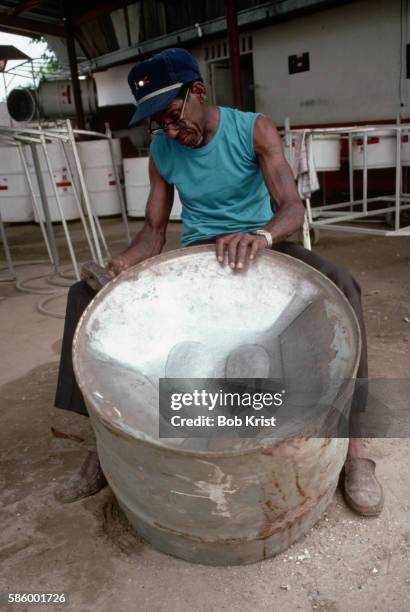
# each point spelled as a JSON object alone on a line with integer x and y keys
{"x": 200, "y": 400}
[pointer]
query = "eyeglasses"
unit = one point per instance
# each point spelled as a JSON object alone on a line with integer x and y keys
{"x": 172, "y": 125}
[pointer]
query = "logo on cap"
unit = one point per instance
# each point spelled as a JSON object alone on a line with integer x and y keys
{"x": 144, "y": 81}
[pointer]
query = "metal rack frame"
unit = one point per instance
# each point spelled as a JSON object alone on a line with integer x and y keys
{"x": 329, "y": 216}
{"x": 66, "y": 137}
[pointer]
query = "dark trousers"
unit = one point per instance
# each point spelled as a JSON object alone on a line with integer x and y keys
{"x": 68, "y": 395}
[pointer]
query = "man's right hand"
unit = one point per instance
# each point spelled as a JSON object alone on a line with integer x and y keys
{"x": 125, "y": 260}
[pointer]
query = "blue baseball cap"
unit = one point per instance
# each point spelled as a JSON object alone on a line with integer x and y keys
{"x": 155, "y": 82}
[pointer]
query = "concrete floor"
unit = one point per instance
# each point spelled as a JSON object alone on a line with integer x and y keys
{"x": 87, "y": 550}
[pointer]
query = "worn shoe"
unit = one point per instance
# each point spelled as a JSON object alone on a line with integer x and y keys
{"x": 89, "y": 480}
{"x": 362, "y": 491}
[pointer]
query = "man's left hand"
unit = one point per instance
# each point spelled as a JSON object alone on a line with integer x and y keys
{"x": 240, "y": 247}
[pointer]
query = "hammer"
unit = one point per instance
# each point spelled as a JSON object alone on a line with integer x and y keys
{"x": 94, "y": 275}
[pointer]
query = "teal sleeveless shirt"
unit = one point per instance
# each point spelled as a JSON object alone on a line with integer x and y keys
{"x": 220, "y": 185}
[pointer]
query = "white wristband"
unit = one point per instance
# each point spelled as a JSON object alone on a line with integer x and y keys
{"x": 265, "y": 234}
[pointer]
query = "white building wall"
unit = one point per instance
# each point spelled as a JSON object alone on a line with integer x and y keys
{"x": 357, "y": 66}
{"x": 354, "y": 71}
{"x": 112, "y": 86}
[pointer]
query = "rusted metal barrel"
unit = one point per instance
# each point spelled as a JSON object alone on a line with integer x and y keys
{"x": 181, "y": 315}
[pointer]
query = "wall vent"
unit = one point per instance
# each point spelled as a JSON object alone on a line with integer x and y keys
{"x": 299, "y": 63}
{"x": 220, "y": 50}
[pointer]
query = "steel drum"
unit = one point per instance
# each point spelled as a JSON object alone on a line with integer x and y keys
{"x": 182, "y": 315}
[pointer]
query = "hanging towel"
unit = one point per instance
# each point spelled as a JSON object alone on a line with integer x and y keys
{"x": 303, "y": 165}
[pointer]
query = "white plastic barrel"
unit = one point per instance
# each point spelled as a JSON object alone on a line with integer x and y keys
{"x": 136, "y": 185}
{"x": 99, "y": 174}
{"x": 137, "y": 188}
{"x": 326, "y": 152}
{"x": 15, "y": 198}
{"x": 405, "y": 149}
{"x": 381, "y": 149}
{"x": 176, "y": 208}
{"x": 61, "y": 180}
{"x": 56, "y": 98}
{"x": 53, "y": 99}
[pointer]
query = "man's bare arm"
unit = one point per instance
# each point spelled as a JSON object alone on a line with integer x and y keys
{"x": 150, "y": 240}
{"x": 289, "y": 210}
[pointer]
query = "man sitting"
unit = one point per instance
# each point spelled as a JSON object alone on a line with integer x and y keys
{"x": 230, "y": 171}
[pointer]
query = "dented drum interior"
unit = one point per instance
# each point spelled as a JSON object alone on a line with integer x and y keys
{"x": 183, "y": 315}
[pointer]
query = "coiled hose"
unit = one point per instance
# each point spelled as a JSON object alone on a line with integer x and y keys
{"x": 61, "y": 280}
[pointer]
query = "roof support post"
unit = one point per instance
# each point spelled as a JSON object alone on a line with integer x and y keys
{"x": 69, "y": 35}
{"x": 234, "y": 55}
